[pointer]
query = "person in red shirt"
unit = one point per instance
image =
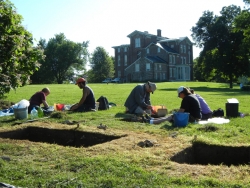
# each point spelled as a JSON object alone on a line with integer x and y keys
{"x": 39, "y": 98}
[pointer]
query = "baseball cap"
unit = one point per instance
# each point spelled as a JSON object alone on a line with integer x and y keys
{"x": 79, "y": 80}
{"x": 152, "y": 86}
{"x": 179, "y": 90}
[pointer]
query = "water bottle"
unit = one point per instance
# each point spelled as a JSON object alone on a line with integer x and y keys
{"x": 34, "y": 113}
{"x": 40, "y": 112}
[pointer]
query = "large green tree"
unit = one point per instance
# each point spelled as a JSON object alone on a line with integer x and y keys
{"x": 18, "y": 58}
{"x": 62, "y": 58}
{"x": 221, "y": 56}
{"x": 102, "y": 65}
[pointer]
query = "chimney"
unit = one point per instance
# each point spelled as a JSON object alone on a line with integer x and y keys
{"x": 158, "y": 32}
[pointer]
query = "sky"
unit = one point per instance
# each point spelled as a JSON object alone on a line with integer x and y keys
{"x": 107, "y": 23}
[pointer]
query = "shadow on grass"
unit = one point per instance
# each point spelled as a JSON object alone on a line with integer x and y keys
{"x": 224, "y": 91}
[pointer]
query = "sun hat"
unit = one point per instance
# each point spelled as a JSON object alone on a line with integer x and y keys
{"x": 179, "y": 90}
{"x": 152, "y": 86}
{"x": 79, "y": 80}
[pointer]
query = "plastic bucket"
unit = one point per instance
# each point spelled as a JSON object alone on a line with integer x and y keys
{"x": 181, "y": 119}
{"x": 21, "y": 113}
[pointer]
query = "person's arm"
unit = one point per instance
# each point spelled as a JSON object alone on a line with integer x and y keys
{"x": 140, "y": 98}
{"x": 181, "y": 110}
{"x": 45, "y": 104}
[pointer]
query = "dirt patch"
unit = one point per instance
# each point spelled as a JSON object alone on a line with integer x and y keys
{"x": 173, "y": 155}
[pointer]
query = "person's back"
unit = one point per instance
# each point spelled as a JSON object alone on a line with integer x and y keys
{"x": 205, "y": 109}
{"x": 191, "y": 105}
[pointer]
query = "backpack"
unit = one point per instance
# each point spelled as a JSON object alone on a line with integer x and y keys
{"x": 103, "y": 103}
{"x": 218, "y": 113}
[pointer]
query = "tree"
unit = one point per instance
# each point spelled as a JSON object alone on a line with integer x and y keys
{"x": 102, "y": 65}
{"x": 221, "y": 55}
{"x": 18, "y": 58}
{"x": 62, "y": 57}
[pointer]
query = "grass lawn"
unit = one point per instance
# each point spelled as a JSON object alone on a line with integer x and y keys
{"x": 49, "y": 152}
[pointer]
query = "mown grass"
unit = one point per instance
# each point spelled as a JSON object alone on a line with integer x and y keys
{"x": 123, "y": 163}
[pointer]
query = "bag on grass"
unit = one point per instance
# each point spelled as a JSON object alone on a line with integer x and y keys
{"x": 103, "y": 103}
{"x": 218, "y": 113}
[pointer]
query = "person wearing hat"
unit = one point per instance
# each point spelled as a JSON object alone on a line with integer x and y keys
{"x": 138, "y": 101}
{"x": 189, "y": 104}
{"x": 87, "y": 102}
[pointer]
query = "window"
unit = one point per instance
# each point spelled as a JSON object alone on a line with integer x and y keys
{"x": 137, "y": 42}
{"x": 118, "y": 50}
{"x": 173, "y": 59}
{"x": 184, "y": 48}
{"x": 137, "y": 67}
{"x": 184, "y": 60}
{"x": 125, "y": 60}
{"x": 119, "y": 61}
{"x": 181, "y": 60}
{"x": 170, "y": 72}
{"x": 119, "y": 74}
{"x": 187, "y": 73}
{"x": 160, "y": 67}
{"x": 170, "y": 58}
{"x": 172, "y": 46}
{"x": 164, "y": 76}
{"x": 181, "y": 49}
{"x": 147, "y": 50}
{"x": 159, "y": 50}
{"x": 147, "y": 66}
{"x": 125, "y": 49}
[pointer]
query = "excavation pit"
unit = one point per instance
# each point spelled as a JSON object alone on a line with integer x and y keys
{"x": 72, "y": 138}
{"x": 204, "y": 154}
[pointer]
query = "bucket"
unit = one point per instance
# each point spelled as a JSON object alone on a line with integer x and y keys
{"x": 21, "y": 113}
{"x": 181, "y": 119}
{"x": 59, "y": 107}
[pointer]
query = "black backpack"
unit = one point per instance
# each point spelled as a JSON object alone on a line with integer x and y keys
{"x": 103, "y": 103}
{"x": 218, "y": 113}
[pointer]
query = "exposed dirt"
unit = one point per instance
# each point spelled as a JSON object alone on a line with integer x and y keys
{"x": 172, "y": 154}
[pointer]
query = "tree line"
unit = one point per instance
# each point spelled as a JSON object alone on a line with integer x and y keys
{"x": 225, "y": 44}
{"x": 224, "y": 40}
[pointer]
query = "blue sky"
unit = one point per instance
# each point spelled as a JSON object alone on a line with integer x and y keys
{"x": 107, "y": 23}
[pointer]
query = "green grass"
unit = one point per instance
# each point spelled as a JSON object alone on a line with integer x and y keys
{"x": 123, "y": 164}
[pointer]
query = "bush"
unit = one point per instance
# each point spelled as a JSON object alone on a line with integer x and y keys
{"x": 245, "y": 88}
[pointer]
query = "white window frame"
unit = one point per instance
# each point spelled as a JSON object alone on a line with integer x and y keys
{"x": 158, "y": 50}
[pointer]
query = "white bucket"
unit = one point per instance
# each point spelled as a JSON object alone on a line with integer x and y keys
{"x": 21, "y": 113}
